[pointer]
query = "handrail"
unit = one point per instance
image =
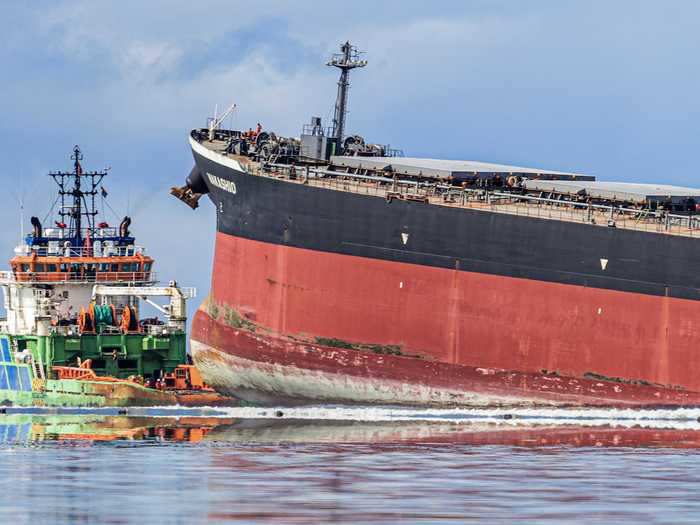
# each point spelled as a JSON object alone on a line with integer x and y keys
{"x": 609, "y": 215}
{"x": 60, "y": 251}
{"x": 8, "y": 277}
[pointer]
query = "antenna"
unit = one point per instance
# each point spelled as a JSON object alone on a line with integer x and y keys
{"x": 21, "y": 217}
{"x": 81, "y": 201}
{"x": 347, "y": 59}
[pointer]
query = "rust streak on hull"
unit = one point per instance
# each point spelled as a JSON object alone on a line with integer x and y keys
{"x": 291, "y": 323}
{"x": 268, "y": 369}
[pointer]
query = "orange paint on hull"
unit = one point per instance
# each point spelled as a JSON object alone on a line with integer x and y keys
{"x": 460, "y": 318}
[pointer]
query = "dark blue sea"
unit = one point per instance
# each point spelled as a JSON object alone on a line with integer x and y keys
{"x": 350, "y": 466}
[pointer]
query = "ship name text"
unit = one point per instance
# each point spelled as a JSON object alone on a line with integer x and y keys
{"x": 226, "y": 185}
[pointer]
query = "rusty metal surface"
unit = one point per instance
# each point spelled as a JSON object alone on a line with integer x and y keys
{"x": 268, "y": 369}
{"x": 455, "y": 317}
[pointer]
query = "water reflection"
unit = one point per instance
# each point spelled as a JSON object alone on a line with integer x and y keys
{"x": 97, "y": 468}
{"x": 33, "y": 428}
{"x": 432, "y": 433}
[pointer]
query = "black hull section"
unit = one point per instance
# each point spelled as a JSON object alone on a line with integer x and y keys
{"x": 297, "y": 215}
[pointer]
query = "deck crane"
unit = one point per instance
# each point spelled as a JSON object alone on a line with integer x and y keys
{"x": 217, "y": 121}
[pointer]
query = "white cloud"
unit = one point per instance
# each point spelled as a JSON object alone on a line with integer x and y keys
{"x": 144, "y": 50}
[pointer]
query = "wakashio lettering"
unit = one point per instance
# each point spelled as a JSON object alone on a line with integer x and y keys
{"x": 226, "y": 185}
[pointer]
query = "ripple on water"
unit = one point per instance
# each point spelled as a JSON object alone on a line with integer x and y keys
{"x": 87, "y": 469}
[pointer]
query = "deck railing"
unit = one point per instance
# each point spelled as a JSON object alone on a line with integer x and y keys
{"x": 70, "y": 251}
{"x": 8, "y": 277}
{"x": 604, "y": 215}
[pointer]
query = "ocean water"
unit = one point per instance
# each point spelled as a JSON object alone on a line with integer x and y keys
{"x": 354, "y": 466}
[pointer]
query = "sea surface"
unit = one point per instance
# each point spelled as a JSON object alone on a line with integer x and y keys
{"x": 354, "y": 466}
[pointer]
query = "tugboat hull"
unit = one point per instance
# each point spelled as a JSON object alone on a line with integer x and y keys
{"x": 95, "y": 394}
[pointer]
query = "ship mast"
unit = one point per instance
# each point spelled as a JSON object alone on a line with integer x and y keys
{"x": 83, "y": 200}
{"x": 348, "y": 59}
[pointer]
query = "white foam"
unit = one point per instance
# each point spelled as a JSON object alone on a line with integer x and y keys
{"x": 682, "y": 418}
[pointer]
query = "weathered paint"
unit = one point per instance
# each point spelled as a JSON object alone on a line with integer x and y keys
{"x": 453, "y": 317}
{"x": 263, "y": 368}
{"x": 271, "y": 383}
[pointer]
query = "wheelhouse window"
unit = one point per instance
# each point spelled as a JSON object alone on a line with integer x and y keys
{"x": 5, "y": 347}
{"x": 13, "y": 377}
{"x": 25, "y": 379}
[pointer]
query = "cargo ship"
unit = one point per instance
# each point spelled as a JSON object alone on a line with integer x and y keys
{"x": 346, "y": 272}
{"x": 72, "y": 333}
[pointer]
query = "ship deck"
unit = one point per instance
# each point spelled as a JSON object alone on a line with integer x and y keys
{"x": 439, "y": 193}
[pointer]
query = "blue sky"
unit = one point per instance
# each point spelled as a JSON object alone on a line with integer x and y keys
{"x": 606, "y": 88}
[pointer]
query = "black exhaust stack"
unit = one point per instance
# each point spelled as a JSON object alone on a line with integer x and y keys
{"x": 124, "y": 226}
{"x": 36, "y": 224}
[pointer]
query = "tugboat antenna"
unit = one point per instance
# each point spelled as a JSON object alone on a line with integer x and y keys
{"x": 21, "y": 216}
{"x": 347, "y": 59}
{"x": 78, "y": 197}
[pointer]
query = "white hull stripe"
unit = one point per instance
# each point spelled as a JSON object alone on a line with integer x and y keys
{"x": 215, "y": 157}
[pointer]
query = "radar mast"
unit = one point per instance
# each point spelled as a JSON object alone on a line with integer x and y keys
{"x": 347, "y": 59}
{"x": 82, "y": 199}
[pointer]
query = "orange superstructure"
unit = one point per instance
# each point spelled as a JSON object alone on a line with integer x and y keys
{"x": 53, "y": 268}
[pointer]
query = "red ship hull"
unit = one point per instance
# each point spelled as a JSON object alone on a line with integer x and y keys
{"x": 286, "y": 324}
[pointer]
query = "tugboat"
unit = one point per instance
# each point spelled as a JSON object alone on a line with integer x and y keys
{"x": 72, "y": 335}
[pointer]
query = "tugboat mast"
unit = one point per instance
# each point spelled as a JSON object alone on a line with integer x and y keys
{"x": 80, "y": 206}
{"x": 348, "y": 59}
